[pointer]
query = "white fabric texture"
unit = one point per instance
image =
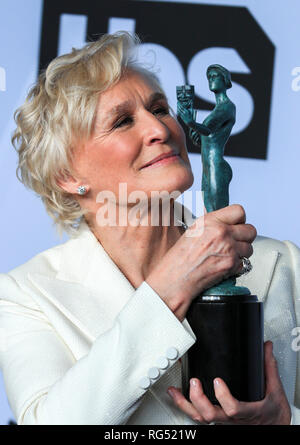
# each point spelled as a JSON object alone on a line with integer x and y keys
{"x": 77, "y": 338}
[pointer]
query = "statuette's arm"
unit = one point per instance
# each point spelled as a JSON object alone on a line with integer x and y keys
{"x": 188, "y": 119}
{"x": 215, "y": 120}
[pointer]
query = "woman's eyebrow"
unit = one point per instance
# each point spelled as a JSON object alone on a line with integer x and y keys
{"x": 121, "y": 108}
{"x": 154, "y": 98}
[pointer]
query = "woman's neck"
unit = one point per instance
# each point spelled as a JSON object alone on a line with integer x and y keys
{"x": 136, "y": 250}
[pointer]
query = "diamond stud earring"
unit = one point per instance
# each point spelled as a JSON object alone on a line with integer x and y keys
{"x": 81, "y": 190}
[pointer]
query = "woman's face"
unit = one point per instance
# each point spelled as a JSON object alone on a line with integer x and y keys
{"x": 132, "y": 127}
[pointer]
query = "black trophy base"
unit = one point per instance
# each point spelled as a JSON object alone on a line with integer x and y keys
{"x": 229, "y": 332}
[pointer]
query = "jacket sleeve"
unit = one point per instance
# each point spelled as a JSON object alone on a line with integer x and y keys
{"x": 46, "y": 385}
{"x": 295, "y": 258}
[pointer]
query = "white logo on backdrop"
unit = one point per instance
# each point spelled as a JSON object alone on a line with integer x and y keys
{"x": 164, "y": 62}
{"x": 296, "y": 80}
{"x": 296, "y": 342}
{"x": 2, "y": 79}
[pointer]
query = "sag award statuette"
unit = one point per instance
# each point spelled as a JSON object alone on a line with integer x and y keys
{"x": 226, "y": 319}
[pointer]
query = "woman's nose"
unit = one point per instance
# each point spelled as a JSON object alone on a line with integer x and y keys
{"x": 156, "y": 131}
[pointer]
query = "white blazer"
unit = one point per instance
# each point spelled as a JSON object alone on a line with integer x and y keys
{"x": 78, "y": 341}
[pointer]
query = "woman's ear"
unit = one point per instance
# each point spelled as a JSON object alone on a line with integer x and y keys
{"x": 69, "y": 183}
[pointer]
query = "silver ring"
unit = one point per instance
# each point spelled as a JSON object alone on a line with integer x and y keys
{"x": 247, "y": 267}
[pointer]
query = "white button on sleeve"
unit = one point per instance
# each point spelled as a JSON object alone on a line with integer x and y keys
{"x": 163, "y": 363}
{"x": 171, "y": 353}
{"x": 144, "y": 383}
{"x": 153, "y": 373}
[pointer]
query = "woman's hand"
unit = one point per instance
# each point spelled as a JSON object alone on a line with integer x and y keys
{"x": 274, "y": 409}
{"x": 207, "y": 253}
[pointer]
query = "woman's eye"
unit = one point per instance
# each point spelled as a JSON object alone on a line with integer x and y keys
{"x": 123, "y": 122}
{"x": 161, "y": 110}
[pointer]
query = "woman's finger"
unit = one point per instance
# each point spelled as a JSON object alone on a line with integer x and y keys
{"x": 273, "y": 382}
{"x": 209, "y": 412}
{"x": 184, "y": 405}
{"x": 244, "y": 249}
{"x": 229, "y": 404}
{"x": 233, "y": 214}
{"x": 244, "y": 232}
{"x": 232, "y": 407}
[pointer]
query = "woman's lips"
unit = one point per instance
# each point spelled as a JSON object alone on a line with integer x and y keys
{"x": 166, "y": 160}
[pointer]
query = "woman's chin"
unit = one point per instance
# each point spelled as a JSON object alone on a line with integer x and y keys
{"x": 172, "y": 177}
{"x": 180, "y": 179}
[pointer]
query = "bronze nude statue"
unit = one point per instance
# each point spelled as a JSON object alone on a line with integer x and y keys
{"x": 211, "y": 137}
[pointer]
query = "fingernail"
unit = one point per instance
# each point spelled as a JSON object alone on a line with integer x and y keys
{"x": 217, "y": 382}
{"x": 170, "y": 392}
{"x": 193, "y": 382}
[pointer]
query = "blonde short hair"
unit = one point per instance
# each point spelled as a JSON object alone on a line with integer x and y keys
{"x": 60, "y": 109}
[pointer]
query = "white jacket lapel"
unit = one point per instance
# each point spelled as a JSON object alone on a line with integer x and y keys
{"x": 54, "y": 299}
{"x": 89, "y": 290}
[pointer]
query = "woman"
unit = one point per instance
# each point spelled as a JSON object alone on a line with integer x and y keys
{"x": 95, "y": 328}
